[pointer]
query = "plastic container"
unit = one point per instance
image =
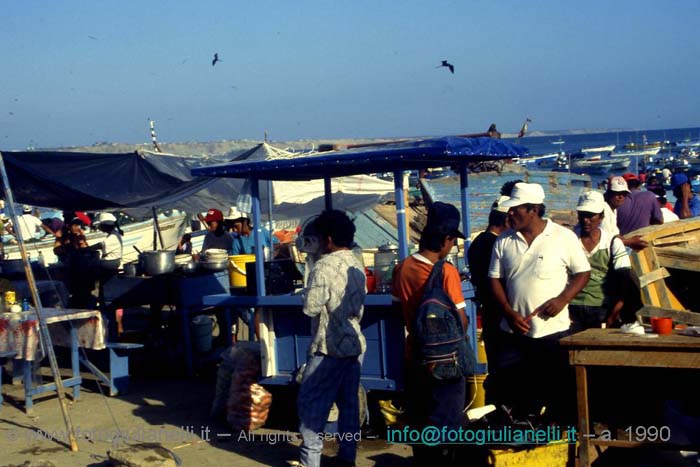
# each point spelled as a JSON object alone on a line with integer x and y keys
{"x": 236, "y": 269}
{"x": 475, "y": 384}
{"x": 386, "y": 257}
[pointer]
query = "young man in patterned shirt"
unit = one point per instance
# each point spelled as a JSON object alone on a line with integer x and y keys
{"x": 334, "y": 300}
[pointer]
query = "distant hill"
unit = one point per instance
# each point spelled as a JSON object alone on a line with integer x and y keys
{"x": 194, "y": 148}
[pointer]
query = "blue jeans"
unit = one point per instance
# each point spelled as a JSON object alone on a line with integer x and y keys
{"x": 327, "y": 380}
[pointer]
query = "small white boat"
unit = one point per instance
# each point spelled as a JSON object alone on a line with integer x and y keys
{"x": 139, "y": 234}
{"x": 609, "y": 148}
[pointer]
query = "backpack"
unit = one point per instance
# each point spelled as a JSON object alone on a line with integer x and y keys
{"x": 440, "y": 343}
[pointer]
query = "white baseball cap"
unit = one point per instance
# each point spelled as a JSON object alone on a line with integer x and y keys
{"x": 525, "y": 193}
{"x": 498, "y": 204}
{"x": 234, "y": 213}
{"x": 618, "y": 184}
{"x": 591, "y": 201}
{"x": 106, "y": 218}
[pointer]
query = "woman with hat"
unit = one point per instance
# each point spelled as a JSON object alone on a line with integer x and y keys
{"x": 112, "y": 246}
{"x": 597, "y": 303}
{"x": 217, "y": 237}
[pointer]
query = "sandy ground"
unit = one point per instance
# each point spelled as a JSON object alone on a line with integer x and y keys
{"x": 174, "y": 413}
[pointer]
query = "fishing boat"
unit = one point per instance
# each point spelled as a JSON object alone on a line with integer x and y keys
{"x": 138, "y": 234}
{"x": 599, "y": 149}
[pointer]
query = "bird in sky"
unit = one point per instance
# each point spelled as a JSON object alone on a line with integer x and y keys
{"x": 216, "y": 59}
{"x": 448, "y": 65}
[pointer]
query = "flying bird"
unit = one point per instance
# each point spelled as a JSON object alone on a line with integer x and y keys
{"x": 448, "y": 65}
{"x": 216, "y": 59}
{"x": 93, "y": 38}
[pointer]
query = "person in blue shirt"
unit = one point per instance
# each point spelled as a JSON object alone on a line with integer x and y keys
{"x": 687, "y": 200}
{"x": 243, "y": 239}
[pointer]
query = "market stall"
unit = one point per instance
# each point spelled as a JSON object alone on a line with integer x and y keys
{"x": 284, "y": 330}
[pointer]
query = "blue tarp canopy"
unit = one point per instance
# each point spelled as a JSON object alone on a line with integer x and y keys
{"x": 419, "y": 154}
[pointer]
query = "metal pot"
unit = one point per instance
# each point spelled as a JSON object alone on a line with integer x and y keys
{"x": 131, "y": 269}
{"x": 158, "y": 262}
{"x": 189, "y": 267}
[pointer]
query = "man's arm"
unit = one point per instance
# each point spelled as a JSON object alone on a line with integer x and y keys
{"x": 317, "y": 294}
{"x": 553, "y": 306}
{"x": 636, "y": 243}
{"x": 517, "y": 323}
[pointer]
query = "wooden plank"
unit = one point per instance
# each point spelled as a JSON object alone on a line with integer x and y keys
{"x": 665, "y": 230}
{"x": 674, "y": 240}
{"x": 661, "y": 358}
{"x": 683, "y": 316}
{"x": 653, "y": 276}
{"x": 674, "y": 262}
{"x": 583, "y": 422}
{"x": 613, "y": 338}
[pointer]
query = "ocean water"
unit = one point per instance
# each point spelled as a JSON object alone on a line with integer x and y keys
{"x": 573, "y": 143}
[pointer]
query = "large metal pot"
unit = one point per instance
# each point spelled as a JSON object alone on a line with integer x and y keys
{"x": 158, "y": 262}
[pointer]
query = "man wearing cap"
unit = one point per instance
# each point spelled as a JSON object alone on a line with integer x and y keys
{"x": 243, "y": 240}
{"x": 430, "y": 402}
{"x": 615, "y": 195}
{"x": 217, "y": 237}
{"x": 479, "y": 259}
{"x": 599, "y": 302}
{"x": 29, "y": 225}
{"x": 640, "y": 208}
{"x": 687, "y": 202}
{"x": 537, "y": 268}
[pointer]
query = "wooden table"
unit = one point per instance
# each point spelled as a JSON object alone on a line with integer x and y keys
{"x": 610, "y": 347}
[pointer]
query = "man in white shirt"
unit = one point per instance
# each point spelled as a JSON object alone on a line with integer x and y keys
{"x": 29, "y": 225}
{"x": 614, "y": 197}
{"x": 537, "y": 268}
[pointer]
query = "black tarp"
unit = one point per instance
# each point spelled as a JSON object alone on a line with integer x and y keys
{"x": 136, "y": 181}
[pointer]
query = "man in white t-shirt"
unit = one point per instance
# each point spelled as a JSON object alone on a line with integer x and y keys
{"x": 614, "y": 196}
{"x": 29, "y": 225}
{"x": 537, "y": 268}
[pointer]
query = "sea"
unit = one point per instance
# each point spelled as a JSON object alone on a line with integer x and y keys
{"x": 574, "y": 142}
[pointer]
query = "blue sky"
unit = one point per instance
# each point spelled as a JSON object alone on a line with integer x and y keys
{"x": 79, "y": 72}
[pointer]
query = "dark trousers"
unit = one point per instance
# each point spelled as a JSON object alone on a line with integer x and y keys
{"x": 586, "y": 317}
{"x": 433, "y": 403}
{"x": 533, "y": 373}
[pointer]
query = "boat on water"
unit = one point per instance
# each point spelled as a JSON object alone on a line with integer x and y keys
{"x": 138, "y": 234}
{"x": 599, "y": 149}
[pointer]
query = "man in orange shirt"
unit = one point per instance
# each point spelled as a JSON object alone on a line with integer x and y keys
{"x": 429, "y": 401}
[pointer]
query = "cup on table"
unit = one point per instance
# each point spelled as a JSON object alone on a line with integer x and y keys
{"x": 662, "y": 326}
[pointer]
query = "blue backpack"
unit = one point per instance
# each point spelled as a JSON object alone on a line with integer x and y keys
{"x": 440, "y": 342}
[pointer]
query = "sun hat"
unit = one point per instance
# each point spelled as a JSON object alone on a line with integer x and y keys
{"x": 498, "y": 204}
{"x": 591, "y": 201}
{"x": 26, "y": 209}
{"x": 525, "y": 193}
{"x": 629, "y": 176}
{"x": 446, "y": 218}
{"x": 106, "y": 218}
{"x": 618, "y": 184}
{"x": 214, "y": 215}
{"x": 234, "y": 213}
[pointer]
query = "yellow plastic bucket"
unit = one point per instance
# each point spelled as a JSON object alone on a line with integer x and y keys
{"x": 236, "y": 269}
{"x": 477, "y": 393}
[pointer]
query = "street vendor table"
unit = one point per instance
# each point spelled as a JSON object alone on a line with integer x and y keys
{"x": 184, "y": 292}
{"x": 19, "y": 333}
{"x": 610, "y": 347}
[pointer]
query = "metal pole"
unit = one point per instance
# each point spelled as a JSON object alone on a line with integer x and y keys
{"x": 43, "y": 328}
{"x": 464, "y": 195}
{"x": 269, "y": 214}
{"x": 328, "y": 193}
{"x": 400, "y": 214}
{"x": 157, "y": 227}
{"x": 259, "y": 255}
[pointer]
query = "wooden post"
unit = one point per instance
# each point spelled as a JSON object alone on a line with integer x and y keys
{"x": 43, "y": 327}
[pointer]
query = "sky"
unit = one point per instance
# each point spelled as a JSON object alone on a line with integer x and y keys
{"x": 79, "y": 72}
